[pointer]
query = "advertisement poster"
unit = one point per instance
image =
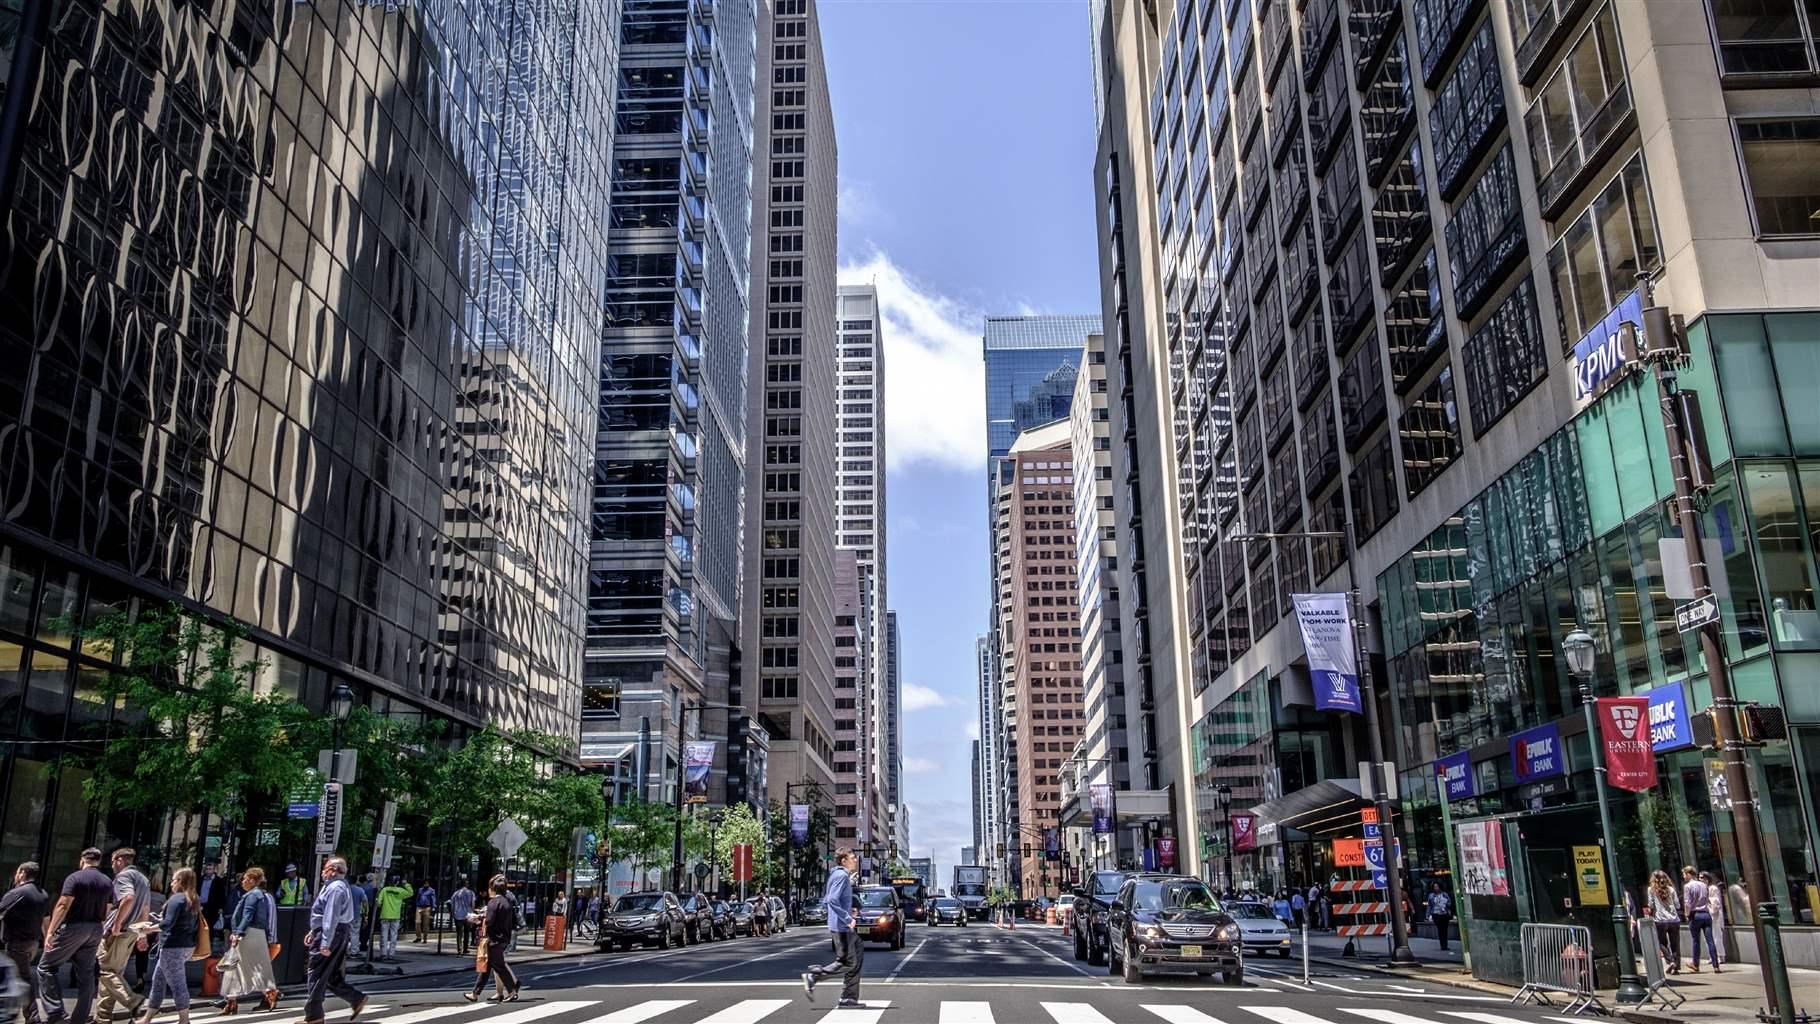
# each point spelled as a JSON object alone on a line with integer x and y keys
{"x": 1589, "y": 876}
{"x": 1327, "y": 636}
{"x": 1052, "y": 844}
{"x": 1536, "y": 753}
{"x": 1099, "y": 796}
{"x": 799, "y": 824}
{"x": 1630, "y": 760}
{"x": 1165, "y": 852}
{"x": 1244, "y": 832}
{"x": 1482, "y": 859}
{"x": 698, "y": 761}
{"x": 1455, "y": 773}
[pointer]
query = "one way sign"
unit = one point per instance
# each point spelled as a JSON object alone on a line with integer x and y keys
{"x": 1699, "y": 612}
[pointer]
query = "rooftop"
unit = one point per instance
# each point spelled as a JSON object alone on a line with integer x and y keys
{"x": 1058, "y": 331}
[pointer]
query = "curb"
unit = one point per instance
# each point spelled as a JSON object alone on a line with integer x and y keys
{"x": 1468, "y": 983}
{"x": 466, "y": 966}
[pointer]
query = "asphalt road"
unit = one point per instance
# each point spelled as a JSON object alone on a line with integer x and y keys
{"x": 976, "y": 975}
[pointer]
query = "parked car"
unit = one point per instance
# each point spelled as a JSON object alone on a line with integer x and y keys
{"x": 723, "y": 919}
{"x": 947, "y": 910}
{"x": 652, "y": 917}
{"x": 1262, "y": 930}
{"x": 1092, "y": 904}
{"x": 698, "y": 917}
{"x": 1171, "y": 924}
{"x": 813, "y": 914}
{"x": 879, "y": 917}
{"x": 780, "y": 916}
{"x": 1064, "y": 908}
{"x": 741, "y": 914}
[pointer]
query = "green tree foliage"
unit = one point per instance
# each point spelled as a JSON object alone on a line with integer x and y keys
{"x": 897, "y": 869}
{"x": 738, "y": 825}
{"x": 642, "y": 833}
{"x": 495, "y": 776}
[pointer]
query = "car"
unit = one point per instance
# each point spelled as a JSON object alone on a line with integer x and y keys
{"x": 946, "y": 909}
{"x": 1092, "y": 903}
{"x": 723, "y": 919}
{"x": 1261, "y": 929}
{"x": 1064, "y": 908}
{"x": 878, "y": 917}
{"x": 1171, "y": 924}
{"x": 780, "y": 916}
{"x": 813, "y": 913}
{"x": 698, "y": 917}
{"x": 740, "y": 912}
{"x": 651, "y": 917}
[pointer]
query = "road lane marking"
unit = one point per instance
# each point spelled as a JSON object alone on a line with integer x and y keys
{"x": 966, "y": 1013}
{"x": 1285, "y": 1015}
{"x": 905, "y": 962}
{"x": 434, "y": 1013}
{"x": 1075, "y": 1013}
{"x": 748, "y": 1011}
{"x": 338, "y": 1014}
{"x": 1071, "y": 966}
{"x": 1384, "y": 1016}
{"x": 539, "y": 1011}
{"x": 867, "y": 1012}
{"x": 1484, "y": 1018}
{"x": 642, "y": 1012}
{"x": 1181, "y": 1014}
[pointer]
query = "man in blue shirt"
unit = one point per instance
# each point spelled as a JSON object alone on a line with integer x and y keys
{"x": 848, "y": 950}
{"x": 332, "y": 924}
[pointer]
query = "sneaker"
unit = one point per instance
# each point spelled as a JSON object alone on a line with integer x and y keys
{"x": 848, "y": 1004}
{"x": 809, "y": 986}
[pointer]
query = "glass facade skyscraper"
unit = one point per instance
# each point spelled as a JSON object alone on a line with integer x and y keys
{"x": 1023, "y": 386}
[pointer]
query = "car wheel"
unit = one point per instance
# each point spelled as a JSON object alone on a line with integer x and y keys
{"x": 663, "y": 939}
{"x": 1129, "y": 968}
{"x": 1096, "y": 955}
{"x": 1233, "y": 977}
{"x": 1284, "y": 953}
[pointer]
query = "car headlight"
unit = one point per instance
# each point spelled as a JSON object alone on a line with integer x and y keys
{"x": 1228, "y": 933}
{"x": 1150, "y": 933}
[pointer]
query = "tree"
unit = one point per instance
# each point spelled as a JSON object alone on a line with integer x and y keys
{"x": 897, "y": 869}
{"x": 495, "y": 776}
{"x": 738, "y": 825}
{"x": 642, "y": 833}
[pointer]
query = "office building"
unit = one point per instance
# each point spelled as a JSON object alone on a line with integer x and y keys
{"x": 892, "y": 742}
{"x": 1392, "y": 244}
{"x": 287, "y": 381}
{"x": 854, "y": 812}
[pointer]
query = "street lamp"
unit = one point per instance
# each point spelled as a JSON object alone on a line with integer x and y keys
{"x": 609, "y": 788}
{"x": 1224, "y": 792}
{"x": 1579, "y": 650}
{"x": 682, "y": 767}
{"x": 341, "y": 705}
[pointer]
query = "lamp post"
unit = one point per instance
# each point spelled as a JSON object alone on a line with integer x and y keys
{"x": 682, "y": 767}
{"x": 1224, "y": 792}
{"x": 1380, "y": 797}
{"x": 341, "y": 705}
{"x": 609, "y": 788}
{"x": 1578, "y": 648}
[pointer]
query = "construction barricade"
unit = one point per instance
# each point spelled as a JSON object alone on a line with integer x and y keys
{"x": 1655, "y": 972}
{"x": 1558, "y": 958}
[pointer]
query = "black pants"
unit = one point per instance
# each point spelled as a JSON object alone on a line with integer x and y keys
{"x": 326, "y": 973}
{"x": 464, "y": 935}
{"x": 849, "y": 957}
{"x": 504, "y": 981}
{"x": 1668, "y": 939}
{"x": 25, "y": 961}
{"x": 1441, "y": 922}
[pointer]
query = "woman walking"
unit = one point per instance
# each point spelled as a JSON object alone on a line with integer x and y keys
{"x": 1665, "y": 911}
{"x": 250, "y": 974}
{"x": 176, "y": 944}
{"x": 1715, "y": 905}
{"x": 497, "y": 923}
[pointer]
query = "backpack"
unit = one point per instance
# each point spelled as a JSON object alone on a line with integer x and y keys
{"x": 518, "y": 911}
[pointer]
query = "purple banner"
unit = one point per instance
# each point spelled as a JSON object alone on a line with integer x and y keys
{"x": 1455, "y": 773}
{"x": 1536, "y": 753}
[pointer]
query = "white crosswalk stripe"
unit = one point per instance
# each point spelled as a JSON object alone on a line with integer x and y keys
{"x": 1484, "y": 1018}
{"x": 746, "y": 1011}
{"x": 342, "y": 1014}
{"x": 867, "y": 1014}
{"x": 539, "y": 1011}
{"x": 1182, "y": 1014}
{"x": 1075, "y": 1013}
{"x": 966, "y": 1013}
{"x": 1285, "y": 1015}
{"x": 1389, "y": 1016}
{"x": 642, "y": 1012}
{"x": 433, "y": 1013}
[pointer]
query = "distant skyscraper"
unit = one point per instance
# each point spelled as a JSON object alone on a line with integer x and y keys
{"x": 893, "y": 743}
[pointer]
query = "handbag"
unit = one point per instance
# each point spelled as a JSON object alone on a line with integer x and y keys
{"x": 229, "y": 959}
{"x": 202, "y": 950}
{"x": 480, "y": 958}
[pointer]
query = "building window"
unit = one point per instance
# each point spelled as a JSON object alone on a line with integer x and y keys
{"x": 1595, "y": 263}
{"x": 1373, "y": 484}
{"x": 1577, "y": 111}
{"x": 1504, "y": 358}
{"x": 1468, "y": 112}
{"x": 1400, "y": 218}
{"x": 1485, "y": 236}
{"x": 1438, "y": 24}
{"x": 1428, "y": 433}
{"x": 1766, "y": 37}
{"x": 1388, "y": 109}
{"x": 1782, "y": 172}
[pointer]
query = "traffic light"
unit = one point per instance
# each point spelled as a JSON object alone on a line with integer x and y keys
{"x": 1001, "y": 851}
{"x": 894, "y": 851}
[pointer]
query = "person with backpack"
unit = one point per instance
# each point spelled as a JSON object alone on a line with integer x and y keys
{"x": 1440, "y": 910}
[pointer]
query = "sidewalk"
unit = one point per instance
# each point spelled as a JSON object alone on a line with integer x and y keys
{"x": 423, "y": 959}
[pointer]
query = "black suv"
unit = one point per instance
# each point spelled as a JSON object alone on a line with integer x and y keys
{"x": 651, "y": 917}
{"x": 1171, "y": 924}
{"x": 1092, "y": 904}
{"x": 698, "y": 917}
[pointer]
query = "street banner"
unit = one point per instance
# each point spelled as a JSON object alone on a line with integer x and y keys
{"x": 1332, "y": 654}
{"x": 1052, "y": 844}
{"x": 742, "y": 862}
{"x": 799, "y": 824}
{"x": 1536, "y": 753}
{"x": 1669, "y": 727}
{"x": 1244, "y": 832}
{"x": 698, "y": 762}
{"x": 1589, "y": 876}
{"x": 1099, "y": 796}
{"x": 1630, "y": 760}
{"x": 1482, "y": 864}
{"x": 1455, "y": 773}
{"x": 1165, "y": 852}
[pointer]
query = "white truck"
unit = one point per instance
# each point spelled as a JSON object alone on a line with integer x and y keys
{"x": 970, "y": 888}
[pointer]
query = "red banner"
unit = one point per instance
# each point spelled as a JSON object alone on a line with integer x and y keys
{"x": 742, "y": 862}
{"x": 1244, "y": 832}
{"x": 1630, "y": 761}
{"x": 1165, "y": 852}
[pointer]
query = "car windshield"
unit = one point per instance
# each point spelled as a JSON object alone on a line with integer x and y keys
{"x": 1107, "y": 882}
{"x": 947, "y": 904}
{"x": 1182, "y": 895}
{"x": 875, "y": 898}
{"x": 1250, "y": 912}
{"x": 637, "y": 903}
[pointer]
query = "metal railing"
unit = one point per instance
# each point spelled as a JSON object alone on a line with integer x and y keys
{"x": 1655, "y": 972}
{"x": 1558, "y": 958}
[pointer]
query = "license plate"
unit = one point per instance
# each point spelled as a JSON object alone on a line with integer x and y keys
{"x": 1191, "y": 951}
{"x": 863, "y": 930}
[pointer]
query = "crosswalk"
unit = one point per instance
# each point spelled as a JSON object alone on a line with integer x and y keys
{"x": 1110, "y": 1008}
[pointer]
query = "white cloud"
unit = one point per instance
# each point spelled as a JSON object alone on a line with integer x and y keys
{"x": 921, "y": 698}
{"x": 935, "y": 379}
{"x": 920, "y": 766}
{"x": 973, "y": 729}
{"x": 859, "y": 208}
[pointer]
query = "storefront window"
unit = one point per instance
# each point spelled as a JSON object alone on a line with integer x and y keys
{"x": 1784, "y": 560}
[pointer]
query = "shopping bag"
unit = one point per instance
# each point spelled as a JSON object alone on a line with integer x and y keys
{"x": 480, "y": 958}
{"x": 202, "y": 950}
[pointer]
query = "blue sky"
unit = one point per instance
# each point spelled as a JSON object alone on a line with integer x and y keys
{"x": 966, "y": 159}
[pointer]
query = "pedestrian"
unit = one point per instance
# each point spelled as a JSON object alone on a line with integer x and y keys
{"x": 73, "y": 936}
{"x": 179, "y": 928}
{"x": 292, "y": 890}
{"x": 426, "y": 909}
{"x": 392, "y": 899}
{"x": 849, "y": 952}
{"x": 331, "y": 933}
{"x": 1298, "y": 905}
{"x": 1665, "y": 912}
{"x": 22, "y": 913}
{"x": 1696, "y": 906}
{"x": 1280, "y": 907}
{"x": 366, "y": 906}
{"x": 1440, "y": 910}
{"x": 521, "y": 912}
{"x": 461, "y": 904}
{"x": 212, "y": 893}
{"x": 761, "y": 914}
{"x": 132, "y": 905}
{"x": 498, "y": 923}
{"x": 247, "y": 967}
{"x": 1715, "y": 905}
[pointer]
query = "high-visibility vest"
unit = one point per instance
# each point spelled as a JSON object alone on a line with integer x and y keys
{"x": 291, "y": 892}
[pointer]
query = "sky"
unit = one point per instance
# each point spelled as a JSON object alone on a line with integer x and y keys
{"x": 966, "y": 142}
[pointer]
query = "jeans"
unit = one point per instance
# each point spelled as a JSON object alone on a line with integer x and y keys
{"x": 116, "y": 953}
{"x": 1698, "y": 925}
{"x": 24, "y": 956}
{"x": 326, "y": 972}
{"x": 388, "y": 936}
{"x": 1668, "y": 939}
{"x": 504, "y": 981}
{"x": 71, "y": 944}
{"x": 168, "y": 978}
{"x": 849, "y": 957}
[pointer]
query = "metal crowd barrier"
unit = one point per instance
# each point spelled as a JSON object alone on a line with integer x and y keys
{"x": 1559, "y": 958}
{"x": 1655, "y": 972}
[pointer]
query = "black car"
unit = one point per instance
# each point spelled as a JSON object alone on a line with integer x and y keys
{"x": 1171, "y": 924}
{"x": 652, "y": 917}
{"x": 722, "y": 917}
{"x": 1092, "y": 904}
{"x": 698, "y": 917}
{"x": 878, "y": 916}
{"x": 813, "y": 914}
{"x": 947, "y": 909}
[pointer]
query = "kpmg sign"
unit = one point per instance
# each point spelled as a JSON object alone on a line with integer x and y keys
{"x": 1601, "y": 356}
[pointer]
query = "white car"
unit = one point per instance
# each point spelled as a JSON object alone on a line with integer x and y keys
{"x": 1261, "y": 930}
{"x": 1064, "y": 909}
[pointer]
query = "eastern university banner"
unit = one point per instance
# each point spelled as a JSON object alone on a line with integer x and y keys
{"x": 799, "y": 824}
{"x": 1630, "y": 757}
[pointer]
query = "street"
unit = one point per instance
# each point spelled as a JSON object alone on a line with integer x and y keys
{"x": 942, "y": 976}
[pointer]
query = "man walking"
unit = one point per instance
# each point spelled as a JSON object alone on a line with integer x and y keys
{"x": 426, "y": 909}
{"x": 392, "y": 899}
{"x": 366, "y": 904}
{"x": 73, "y": 935}
{"x": 331, "y": 932}
{"x": 461, "y": 904}
{"x": 848, "y": 950}
{"x": 1440, "y": 910}
{"x": 22, "y": 912}
{"x": 132, "y": 904}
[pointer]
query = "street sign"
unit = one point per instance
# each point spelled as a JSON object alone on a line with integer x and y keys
{"x": 340, "y": 761}
{"x": 328, "y": 824}
{"x": 1697, "y": 613}
{"x": 507, "y": 838}
{"x": 382, "y": 851}
{"x": 1379, "y": 880}
{"x": 304, "y": 801}
{"x": 701, "y": 871}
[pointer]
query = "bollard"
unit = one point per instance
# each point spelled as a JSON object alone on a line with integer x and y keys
{"x": 1305, "y": 980}
{"x": 1770, "y": 918}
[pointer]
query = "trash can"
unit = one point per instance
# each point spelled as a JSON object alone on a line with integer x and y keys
{"x": 289, "y": 930}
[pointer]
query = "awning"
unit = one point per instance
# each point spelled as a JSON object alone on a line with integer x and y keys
{"x": 1130, "y": 807}
{"x": 604, "y": 753}
{"x": 1328, "y": 807}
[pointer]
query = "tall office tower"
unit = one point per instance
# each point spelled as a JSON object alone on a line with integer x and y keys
{"x": 1043, "y": 708}
{"x": 663, "y": 594}
{"x": 1127, "y": 44}
{"x": 859, "y": 509}
{"x": 893, "y": 743}
{"x": 853, "y": 811}
{"x": 1407, "y": 304}
{"x": 979, "y": 834}
{"x": 1030, "y": 368}
{"x": 988, "y": 776}
{"x": 248, "y": 366}
{"x": 791, "y": 665}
